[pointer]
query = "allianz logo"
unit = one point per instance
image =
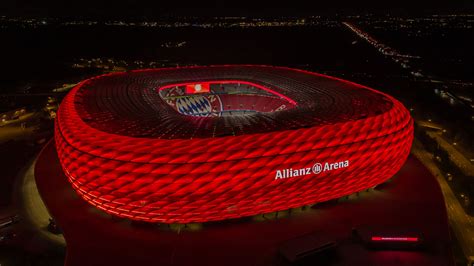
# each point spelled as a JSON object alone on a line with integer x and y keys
{"x": 317, "y": 168}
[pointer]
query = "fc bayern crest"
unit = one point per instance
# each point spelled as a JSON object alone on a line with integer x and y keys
{"x": 194, "y": 105}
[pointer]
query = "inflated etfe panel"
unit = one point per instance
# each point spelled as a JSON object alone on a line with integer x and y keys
{"x": 128, "y": 150}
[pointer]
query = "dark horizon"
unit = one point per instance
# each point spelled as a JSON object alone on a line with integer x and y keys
{"x": 153, "y": 10}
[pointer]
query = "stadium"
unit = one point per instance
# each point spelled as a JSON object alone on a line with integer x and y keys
{"x": 199, "y": 144}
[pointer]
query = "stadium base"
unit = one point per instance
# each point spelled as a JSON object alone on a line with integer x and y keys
{"x": 411, "y": 199}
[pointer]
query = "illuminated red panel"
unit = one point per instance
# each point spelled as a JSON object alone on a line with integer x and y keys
{"x": 338, "y": 141}
{"x": 395, "y": 239}
{"x": 198, "y": 88}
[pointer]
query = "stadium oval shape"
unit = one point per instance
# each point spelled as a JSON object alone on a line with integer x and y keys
{"x": 197, "y": 144}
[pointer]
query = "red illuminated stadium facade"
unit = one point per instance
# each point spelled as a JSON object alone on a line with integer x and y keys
{"x": 199, "y": 144}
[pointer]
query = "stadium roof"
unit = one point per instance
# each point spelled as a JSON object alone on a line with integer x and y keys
{"x": 129, "y": 103}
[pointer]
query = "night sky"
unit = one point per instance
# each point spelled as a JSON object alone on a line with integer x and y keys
{"x": 153, "y": 9}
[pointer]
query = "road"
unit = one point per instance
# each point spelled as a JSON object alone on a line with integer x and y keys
{"x": 26, "y": 200}
{"x": 462, "y": 224}
{"x": 12, "y": 129}
{"x": 33, "y": 209}
{"x": 457, "y": 157}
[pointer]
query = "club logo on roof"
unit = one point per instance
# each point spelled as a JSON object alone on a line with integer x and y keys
{"x": 198, "y": 105}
